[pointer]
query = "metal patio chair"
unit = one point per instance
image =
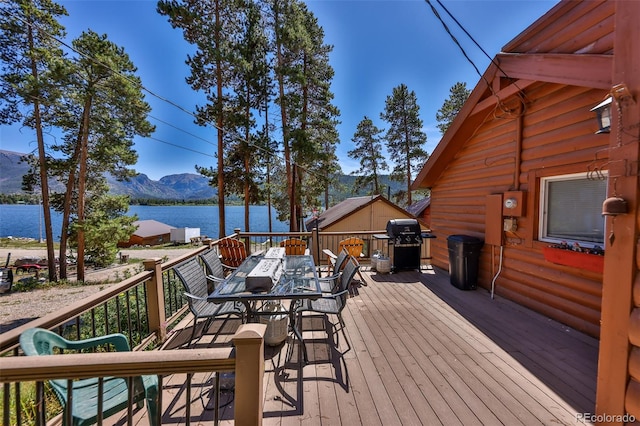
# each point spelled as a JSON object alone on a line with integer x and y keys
{"x": 330, "y": 283}
{"x": 196, "y": 289}
{"x": 334, "y": 303}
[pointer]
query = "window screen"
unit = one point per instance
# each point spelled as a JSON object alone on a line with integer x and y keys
{"x": 573, "y": 207}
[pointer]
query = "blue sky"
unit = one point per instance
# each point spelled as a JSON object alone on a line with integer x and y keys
{"x": 377, "y": 46}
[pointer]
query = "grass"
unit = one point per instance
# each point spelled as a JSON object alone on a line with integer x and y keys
{"x": 28, "y": 403}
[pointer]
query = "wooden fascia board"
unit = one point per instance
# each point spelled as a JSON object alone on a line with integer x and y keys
{"x": 447, "y": 149}
{"x": 572, "y": 69}
{"x": 541, "y": 24}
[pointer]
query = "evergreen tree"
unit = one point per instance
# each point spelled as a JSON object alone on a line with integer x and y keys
{"x": 211, "y": 26}
{"x": 368, "y": 151}
{"x": 458, "y": 95}
{"x": 405, "y": 138}
{"x": 308, "y": 118}
{"x": 29, "y": 58}
{"x": 251, "y": 79}
{"x": 103, "y": 110}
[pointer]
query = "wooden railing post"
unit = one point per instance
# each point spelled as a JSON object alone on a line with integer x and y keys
{"x": 249, "y": 343}
{"x": 155, "y": 299}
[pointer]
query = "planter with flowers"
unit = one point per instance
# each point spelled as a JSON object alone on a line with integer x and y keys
{"x": 590, "y": 259}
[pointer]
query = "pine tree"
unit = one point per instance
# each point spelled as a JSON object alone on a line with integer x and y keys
{"x": 29, "y": 56}
{"x": 212, "y": 26}
{"x": 368, "y": 151}
{"x": 458, "y": 95}
{"x": 405, "y": 138}
{"x": 102, "y": 112}
{"x": 251, "y": 78}
{"x": 308, "y": 117}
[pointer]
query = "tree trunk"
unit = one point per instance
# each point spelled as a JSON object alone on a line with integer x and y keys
{"x": 44, "y": 175}
{"x": 82, "y": 178}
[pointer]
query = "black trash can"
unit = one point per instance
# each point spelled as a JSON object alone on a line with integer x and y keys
{"x": 464, "y": 256}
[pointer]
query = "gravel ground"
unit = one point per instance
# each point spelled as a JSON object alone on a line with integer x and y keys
{"x": 16, "y": 308}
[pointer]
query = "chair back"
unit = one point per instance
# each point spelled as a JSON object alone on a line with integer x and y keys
{"x": 294, "y": 246}
{"x": 347, "y": 275}
{"x": 353, "y": 245}
{"x": 342, "y": 258}
{"x": 194, "y": 281}
{"x": 83, "y": 404}
{"x": 232, "y": 251}
{"x": 212, "y": 263}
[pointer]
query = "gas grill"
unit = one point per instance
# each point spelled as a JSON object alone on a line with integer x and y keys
{"x": 405, "y": 243}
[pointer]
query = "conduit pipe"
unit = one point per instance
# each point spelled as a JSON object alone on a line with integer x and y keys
{"x": 493, "y": 282}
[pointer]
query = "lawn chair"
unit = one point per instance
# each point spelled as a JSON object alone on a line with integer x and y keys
{"x": 334, "y": 303}
{"x": 196, "y": 289}
{"x": 84, "y": 393}
{"x": 232, "y": 252}
{"x": 294, "y": 246}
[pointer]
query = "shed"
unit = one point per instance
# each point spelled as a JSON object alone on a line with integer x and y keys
{"x": 369, "y": 213}
{"x": 149, "y": 232}
{"x": 524, "y": 167}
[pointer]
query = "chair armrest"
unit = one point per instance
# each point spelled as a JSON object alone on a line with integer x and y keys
{"x": 329, "y": 278}
{"x": 194, "y": 297}
{"x": 231, "y": 268}
{"x": 334, "y": 295}
{"x": 329, "y": 253}
{"x": 215, "y": 279}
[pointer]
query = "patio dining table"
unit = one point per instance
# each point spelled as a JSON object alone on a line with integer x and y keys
{"x": 295, "y": 280}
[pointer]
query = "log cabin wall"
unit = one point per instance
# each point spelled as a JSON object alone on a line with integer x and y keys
{"x": 547, "y": 129}
{"x": 557, "y": 138}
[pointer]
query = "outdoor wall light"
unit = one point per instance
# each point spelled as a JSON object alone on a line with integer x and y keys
{"x": 603, "y": 115}
{"x": 613, "y": 206}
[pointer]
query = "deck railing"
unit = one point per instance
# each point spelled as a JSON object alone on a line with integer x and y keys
{"x": 144, "y": 308}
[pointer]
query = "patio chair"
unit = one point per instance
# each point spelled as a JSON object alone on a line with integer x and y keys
{"x": 213, "y": 266}
{"x": 353, "y": 246}
{"x": 334, "y": 303}
{"x": 196, "y": 289}
{"x": 232, "y": 252}
{"x": 328, "y": 284}
{"x": 294, "y": 246}
{"x": 84, "y": 392}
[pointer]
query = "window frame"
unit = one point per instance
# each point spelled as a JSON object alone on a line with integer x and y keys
{"x": 542, "y": 209}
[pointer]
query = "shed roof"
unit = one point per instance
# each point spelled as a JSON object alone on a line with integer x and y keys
{"x": 150, "y": 228}
{"x": 418, "y": 207}
{"x": 346, "y": 208}
{"x": 537, "y": 54}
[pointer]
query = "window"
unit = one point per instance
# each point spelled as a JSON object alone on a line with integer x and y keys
{"x": 571, "y": 209}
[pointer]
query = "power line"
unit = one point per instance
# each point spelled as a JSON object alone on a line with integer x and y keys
{"x": 464, "y": 53}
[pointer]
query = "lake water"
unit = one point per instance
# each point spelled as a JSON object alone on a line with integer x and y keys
{"x": 19, "y": 220}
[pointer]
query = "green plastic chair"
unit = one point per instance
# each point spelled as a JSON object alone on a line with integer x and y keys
{"x": 84, "y": 409}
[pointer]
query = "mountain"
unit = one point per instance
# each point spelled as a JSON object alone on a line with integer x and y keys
{"x": 185, "y": 186}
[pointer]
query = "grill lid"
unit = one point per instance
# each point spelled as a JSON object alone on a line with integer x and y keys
{"x": 404, "y": 231}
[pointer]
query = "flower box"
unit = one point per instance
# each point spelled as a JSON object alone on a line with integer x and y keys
{"x": 588, "y": 261}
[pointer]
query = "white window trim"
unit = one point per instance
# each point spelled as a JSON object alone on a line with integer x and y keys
{"x": 542, "y": 223}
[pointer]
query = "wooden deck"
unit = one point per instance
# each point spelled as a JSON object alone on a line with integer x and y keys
{"x": 419, "y": 351}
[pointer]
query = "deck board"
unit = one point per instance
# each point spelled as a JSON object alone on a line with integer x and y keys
{"x": 419, "y": 351}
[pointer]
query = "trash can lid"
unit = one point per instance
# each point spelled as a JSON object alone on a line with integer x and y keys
{"x": 464, "y": 239}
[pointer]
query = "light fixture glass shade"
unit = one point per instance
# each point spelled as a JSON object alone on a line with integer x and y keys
{"x": 603, "y": 114}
